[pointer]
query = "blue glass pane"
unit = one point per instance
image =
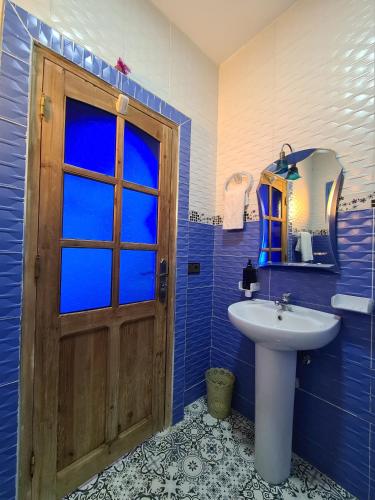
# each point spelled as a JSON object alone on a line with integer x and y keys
{"x": 139, "y": 217}
{"x": 86, "y": 278}
{"x": 141, "y": 157}
{"x": 276, "y": 256}
{"x": 264, "y": 198}
{"x": 276, "y": 235}
{"x": 276, "y": 203}
{"x": 87, "y": 209}
{"x": 137, "y": 275}
{"x": 90, "y": 137}
{"x": 263, "y": 258}
{"x": 265, "y": 235}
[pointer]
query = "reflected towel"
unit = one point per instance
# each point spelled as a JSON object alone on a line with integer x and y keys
{"x": 234, "y": 206}
{"x": 304, "y": 245}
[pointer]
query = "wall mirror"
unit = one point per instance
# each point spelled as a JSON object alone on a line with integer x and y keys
{"x": 298, "y": 196}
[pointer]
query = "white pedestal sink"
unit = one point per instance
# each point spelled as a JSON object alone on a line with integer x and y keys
{"x": 278, "y": 335}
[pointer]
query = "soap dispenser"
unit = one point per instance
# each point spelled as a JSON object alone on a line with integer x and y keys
{"x": 249, "y": 283}
{"x": 249, "y": 276}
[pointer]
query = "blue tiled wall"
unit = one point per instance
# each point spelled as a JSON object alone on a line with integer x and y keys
{"x": 14, "y": 87}
{"x": 19, "y": 29}
{"x": 199, "y": 311}
{"x": 193, "y": 334}
{"x": 334, "y": 410}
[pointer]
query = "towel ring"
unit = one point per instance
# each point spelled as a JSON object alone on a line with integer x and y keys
{"x": 238, "y": 177}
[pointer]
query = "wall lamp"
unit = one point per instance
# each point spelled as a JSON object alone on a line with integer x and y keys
{"x": 283, "y": 167}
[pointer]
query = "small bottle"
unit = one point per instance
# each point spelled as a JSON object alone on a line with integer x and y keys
{"x": 249, "y": 275}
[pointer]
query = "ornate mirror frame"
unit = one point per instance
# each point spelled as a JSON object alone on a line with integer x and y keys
{"x": 331, "y": 210}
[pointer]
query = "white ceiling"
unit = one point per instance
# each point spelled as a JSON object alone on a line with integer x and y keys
{"x": 220, "y": 27}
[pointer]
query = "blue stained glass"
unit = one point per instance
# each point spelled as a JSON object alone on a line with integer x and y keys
{"x": 276, "y": 203}
{"x": 276, "y": 234}
{"x": 139, "y": 217}
{"x": 137, "y": 275}
{"x": 265, "y": 235}
{"x": 141, "y": 157}
{"x": 264, "y": 197}
{"x": 86, "y": 279}
{"x": 87, "y": 209}
{"x": 263, "y": 258}
{"x": 275, "y": 256}
{"x": 90, "y": 137}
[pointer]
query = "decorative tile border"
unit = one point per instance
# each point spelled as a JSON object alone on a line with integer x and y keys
{"x": 345, "y": 205}
{"x": 360, "y": 203}
{"x": 217, "y": 220}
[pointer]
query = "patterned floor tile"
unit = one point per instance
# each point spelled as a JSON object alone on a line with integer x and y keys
{"x": 203, "y": 458}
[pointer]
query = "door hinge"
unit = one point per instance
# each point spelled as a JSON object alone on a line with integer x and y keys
{"x": 42, "y": 105}
{"x": 32, "y": 464}
{"x": 37, "y": 267}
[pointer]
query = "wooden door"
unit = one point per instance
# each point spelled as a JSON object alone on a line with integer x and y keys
{"x": 100, "y": 341}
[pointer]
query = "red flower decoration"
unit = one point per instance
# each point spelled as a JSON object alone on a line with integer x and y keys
{"x": 121, "y": 66}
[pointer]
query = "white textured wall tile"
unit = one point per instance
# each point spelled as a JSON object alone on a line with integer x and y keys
{"x": 162, "y": 59}
{"x": 307, "y": 79}
{"x": 194, "y": 90}
{"x": 39, "y": 8}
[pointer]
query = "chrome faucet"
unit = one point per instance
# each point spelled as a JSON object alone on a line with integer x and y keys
{"x": 284, "y": 302}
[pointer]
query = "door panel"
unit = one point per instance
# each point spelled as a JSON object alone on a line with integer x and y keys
{"x": 137, "y": 353}
{"x": 82, "y": 395}
{"x": 101, "y": 329}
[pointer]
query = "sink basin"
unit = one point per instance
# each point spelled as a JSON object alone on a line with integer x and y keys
{"x": 278, "y": 335}
{"x": 300, "y": 329}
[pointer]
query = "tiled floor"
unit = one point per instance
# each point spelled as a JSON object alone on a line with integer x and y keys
{"x": 203, "y": 458}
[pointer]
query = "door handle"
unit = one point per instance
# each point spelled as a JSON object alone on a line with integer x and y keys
{"x": 163, "y": 280}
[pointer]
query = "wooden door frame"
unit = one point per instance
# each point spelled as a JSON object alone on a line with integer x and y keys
{"x": 39, "y": 54}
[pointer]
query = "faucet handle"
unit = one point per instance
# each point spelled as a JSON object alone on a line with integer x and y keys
{"x": 286, "y": 297}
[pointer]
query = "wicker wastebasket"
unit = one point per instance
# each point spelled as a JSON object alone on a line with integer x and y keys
{"x": 219, "y": 383}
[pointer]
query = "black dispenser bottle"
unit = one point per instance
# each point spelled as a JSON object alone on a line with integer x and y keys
{"x": 249, "y": 276}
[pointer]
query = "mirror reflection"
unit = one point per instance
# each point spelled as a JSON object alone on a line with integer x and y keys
{"x": 298, "y": 196}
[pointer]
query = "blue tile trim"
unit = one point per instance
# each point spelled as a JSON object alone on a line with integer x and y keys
{"x": 16, "y": 40}
{"x": 14, "y": 88}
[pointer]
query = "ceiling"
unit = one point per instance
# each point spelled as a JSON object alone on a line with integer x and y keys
{"x": 221, "y": 27}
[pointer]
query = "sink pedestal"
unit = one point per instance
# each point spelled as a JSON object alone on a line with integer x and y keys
{"x": 278, "y": 336}
{"x": 275, "y": 375}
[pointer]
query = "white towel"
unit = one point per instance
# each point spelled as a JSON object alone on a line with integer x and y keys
{"x": 304, "y": 245}
{"x": 234, "y": 206}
